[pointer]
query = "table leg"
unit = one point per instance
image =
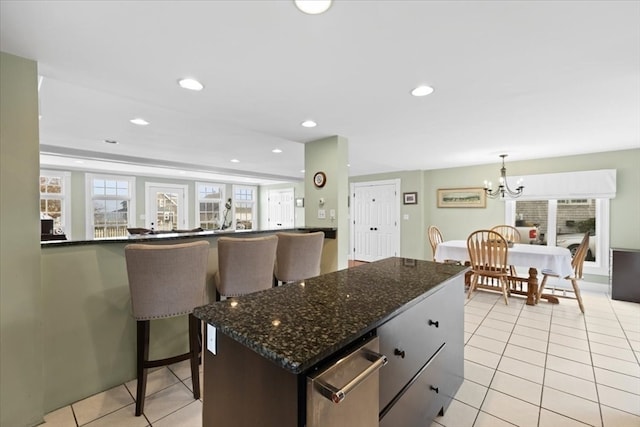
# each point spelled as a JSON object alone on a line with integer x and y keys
{"x": 532, "y": 286}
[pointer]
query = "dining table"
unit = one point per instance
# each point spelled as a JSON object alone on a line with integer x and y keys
{"x": 536, "y": 257}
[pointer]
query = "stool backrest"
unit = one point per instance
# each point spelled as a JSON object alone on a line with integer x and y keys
{"x": 245, "y": 265}
{"x": 298, "y": 255}
{"x": 166, "y": 280}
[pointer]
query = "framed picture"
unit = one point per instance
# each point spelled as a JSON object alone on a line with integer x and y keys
{"x": 300, "y": 202}
{"x": 410, "y": 198}
{"x": 472, "y": 197}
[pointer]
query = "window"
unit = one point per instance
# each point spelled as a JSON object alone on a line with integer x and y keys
{"x": 209, "y": 206}
{"x": 55, "y": 200}
{"x": 244, "y": 207}
{"x": 565, "y": 206}
{"x": 111, "y": 207}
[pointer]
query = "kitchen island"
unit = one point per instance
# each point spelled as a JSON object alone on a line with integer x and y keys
{"x": 266, "y": 344}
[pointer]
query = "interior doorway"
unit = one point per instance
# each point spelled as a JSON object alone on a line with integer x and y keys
{"x": 281, "y": 209}
{"x": 375, "y": 225}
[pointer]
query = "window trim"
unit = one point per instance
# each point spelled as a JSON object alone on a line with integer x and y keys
{"x": 65, "y": 196}
{"x": 254, "y": 209}
{"x": 600, "y": 266}
{"x": 223, "y": 199}
{"x": 131, "y": 215}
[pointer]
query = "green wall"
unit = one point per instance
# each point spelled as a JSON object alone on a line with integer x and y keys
{"x": 457, "y": 223}
{"x": 625, "y": 208}
{"x": 329, "y": 155}
{"x": 411, "y": 243}
{"x": 21, "y": 349}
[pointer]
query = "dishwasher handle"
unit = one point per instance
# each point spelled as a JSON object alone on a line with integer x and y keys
{"x": 337, "y": 394}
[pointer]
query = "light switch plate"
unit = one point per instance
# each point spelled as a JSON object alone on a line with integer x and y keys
{"x": 322, "y": 214}
{"x": 332, "y": 213}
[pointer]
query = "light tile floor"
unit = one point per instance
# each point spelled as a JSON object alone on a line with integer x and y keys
{"x": 542, "y": 366}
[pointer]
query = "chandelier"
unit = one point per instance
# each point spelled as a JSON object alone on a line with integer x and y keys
{"x": 503, "y": 187}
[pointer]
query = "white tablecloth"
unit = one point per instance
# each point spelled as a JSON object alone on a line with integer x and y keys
{"x": 539, "y": 257}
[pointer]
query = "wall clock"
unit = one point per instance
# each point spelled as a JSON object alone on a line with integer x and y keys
{"x": 319, "y": 179}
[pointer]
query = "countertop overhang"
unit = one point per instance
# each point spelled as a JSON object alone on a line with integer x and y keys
{"x": 300, "y": 324}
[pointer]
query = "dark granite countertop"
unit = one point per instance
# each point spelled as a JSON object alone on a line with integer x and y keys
{"x": 300, "y": 324}
{"x": 160, "y": 236}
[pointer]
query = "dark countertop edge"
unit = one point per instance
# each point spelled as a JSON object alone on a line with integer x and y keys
{"x": 143, "y": 238}
{"x": 330, "y": 350}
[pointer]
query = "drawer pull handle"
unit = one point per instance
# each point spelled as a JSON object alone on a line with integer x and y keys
{"x": 337, "y": 394}
{"x": 436, "y": 323}
{"x": 398, "y": 352}
{"x": 436, "y": 389}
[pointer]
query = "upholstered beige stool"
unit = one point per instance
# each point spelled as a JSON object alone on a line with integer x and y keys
{"x": 166, "y": 281}
{"x": 245, "y": 265}
{"x": 298, "y": 256}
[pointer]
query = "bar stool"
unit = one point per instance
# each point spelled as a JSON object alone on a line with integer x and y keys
{"x": 166, "y": 281}
{"x": 245, "y": 265}
{"x": 298, "y": 256}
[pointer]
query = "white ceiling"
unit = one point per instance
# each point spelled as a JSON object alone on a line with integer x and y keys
{"x": 533, "y": 79}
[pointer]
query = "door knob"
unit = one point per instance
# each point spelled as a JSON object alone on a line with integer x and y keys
{"x": 399, "y": 352}
{"x": 432, "y": 323}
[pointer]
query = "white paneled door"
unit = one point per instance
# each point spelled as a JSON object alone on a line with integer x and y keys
{"x": 376, "y": 232}
{"x": 281, "y": 208}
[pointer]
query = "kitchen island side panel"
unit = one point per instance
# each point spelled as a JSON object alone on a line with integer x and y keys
{"x": 243, "y": 389}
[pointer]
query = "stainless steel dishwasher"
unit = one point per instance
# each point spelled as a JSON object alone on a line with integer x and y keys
{"x": 346, "y": 391}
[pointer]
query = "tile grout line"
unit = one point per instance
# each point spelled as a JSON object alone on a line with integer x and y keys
{"x": 496, "y": 368}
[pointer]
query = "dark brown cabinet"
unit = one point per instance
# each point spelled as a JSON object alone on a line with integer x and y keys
{"x": 625, "y": 274}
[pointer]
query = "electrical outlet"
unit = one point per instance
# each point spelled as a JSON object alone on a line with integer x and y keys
{"x": 322, "y": 214}
{"x": 211, "y": 338}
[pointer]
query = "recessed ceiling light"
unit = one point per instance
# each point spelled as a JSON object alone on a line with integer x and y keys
{"x": 138, "y": 121}
{"x": 302, "y": 171}
{"x": 276, "y": 150}
{"x": 191, "y": 84}
{"x": 309, "y": 124}
{"x": 313, "y": 7}
{"x": 235, "y": 161}
{"x": 110, "y": 141}
{"x": 422, "y": 91}
{"x": 80, "y": 162}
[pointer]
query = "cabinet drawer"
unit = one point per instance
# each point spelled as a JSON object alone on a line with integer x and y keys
{"x": 410, "y": 339}
{"x": 422, "y": 401}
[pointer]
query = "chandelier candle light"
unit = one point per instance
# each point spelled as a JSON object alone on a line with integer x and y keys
{"x": 503, "y": 188}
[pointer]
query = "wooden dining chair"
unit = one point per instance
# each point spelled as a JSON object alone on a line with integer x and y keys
{"x": 511, "y": 235}
{"x": 435, "y": 237}
{"x": 488, "y": 252}
{"x": 509, "y": 232}
{"x": 577, "y": 263}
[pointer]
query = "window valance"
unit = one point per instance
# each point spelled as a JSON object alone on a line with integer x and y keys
{"x": 597, "y": 184}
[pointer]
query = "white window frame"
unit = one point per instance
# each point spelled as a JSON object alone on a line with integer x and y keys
{"x": 223, "y": 199}
{"x": 598, "y": 267}
{"x": 65, "y": 197}
{"x": 254, "y": 209}
{"x": 89, "y": 197}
